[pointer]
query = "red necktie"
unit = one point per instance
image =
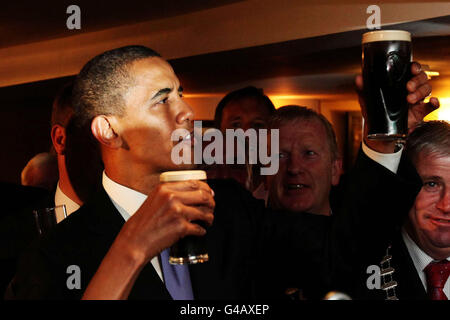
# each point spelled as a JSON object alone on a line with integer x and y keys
{"x": 437, "y": 274}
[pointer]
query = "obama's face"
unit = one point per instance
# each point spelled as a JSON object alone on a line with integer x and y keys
{"x": 154, "y": 108}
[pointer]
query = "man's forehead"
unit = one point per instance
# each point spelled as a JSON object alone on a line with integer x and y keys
{"x": 304, "y": 127}
{"x": 152, "y": 68}
{"x": 303, "y": 132}
{"x": 433, "y": 162}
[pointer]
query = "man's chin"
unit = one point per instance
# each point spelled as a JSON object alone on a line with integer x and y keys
{"x": 440, "y": 240}
{"x": 182, "y": 167}
{"x": 296, "y": 207}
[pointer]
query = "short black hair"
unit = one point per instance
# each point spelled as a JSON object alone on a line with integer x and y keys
{"x": 102, "y": 82}
{"x": 247, "y": 92}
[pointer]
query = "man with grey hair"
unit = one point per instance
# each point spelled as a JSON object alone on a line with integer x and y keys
{"x": 416, "y": 264}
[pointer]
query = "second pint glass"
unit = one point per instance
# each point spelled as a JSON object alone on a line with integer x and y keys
{"x": 386, "y": 67}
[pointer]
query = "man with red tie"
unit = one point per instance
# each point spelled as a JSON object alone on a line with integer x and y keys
{"x": 416, "y": 265}
{"x": 426, "y": 232}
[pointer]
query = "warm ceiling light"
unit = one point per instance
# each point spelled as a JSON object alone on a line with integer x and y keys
{"x": 429, "y": 72}
{"x": 443, "y": 113}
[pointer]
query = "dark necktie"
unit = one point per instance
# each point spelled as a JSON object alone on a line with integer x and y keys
{"x": 176, "y": 279}
{"x": 437, "y": 274}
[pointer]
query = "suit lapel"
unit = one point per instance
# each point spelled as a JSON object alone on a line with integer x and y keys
{"x": 149, "y": 286}
{"x": 410, "y": 286}
{"x": 105, "y": 221}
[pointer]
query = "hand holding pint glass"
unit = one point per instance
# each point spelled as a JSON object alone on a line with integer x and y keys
{"x": 190, "y": 249}
{"x": 386, "y": 67}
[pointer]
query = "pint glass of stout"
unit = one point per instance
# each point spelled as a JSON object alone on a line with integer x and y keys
{"x": 190, "y": 249}
{"x": 386, "y": 64}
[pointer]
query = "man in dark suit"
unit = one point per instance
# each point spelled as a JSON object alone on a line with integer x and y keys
{"x": 18, "y": 227}
{"x": 131, "y": 101}
{"x": 415, "y": 259}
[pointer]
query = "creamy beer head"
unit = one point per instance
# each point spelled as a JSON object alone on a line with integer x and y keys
{"x": 182, "y": 175}
{"x": 386, "y": 35}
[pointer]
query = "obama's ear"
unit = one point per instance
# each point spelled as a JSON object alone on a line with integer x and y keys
{"x": 103, "y": 131}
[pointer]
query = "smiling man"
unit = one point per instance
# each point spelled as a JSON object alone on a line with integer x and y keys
{"x": 415, "y": 259}
{"x": 426, "y": 232}
{"x": 309, "y": 162}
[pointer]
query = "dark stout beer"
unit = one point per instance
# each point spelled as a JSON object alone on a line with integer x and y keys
{"x": 386, "y": 67}
{"x": 190, "y": 249}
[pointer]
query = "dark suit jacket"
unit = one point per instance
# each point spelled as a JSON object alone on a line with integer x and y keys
{"x": 17, "y": 227}
{"x": 409, "y": 286}
{"x": 238, "y": 240}
{"x": 373, "y": 248}
{"x": 253, "y": 252}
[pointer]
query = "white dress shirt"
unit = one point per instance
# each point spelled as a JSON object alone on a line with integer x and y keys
{"x": 127, "y": 201}
{"x": 62, "y": 199}
{"x": 421, "y": 261}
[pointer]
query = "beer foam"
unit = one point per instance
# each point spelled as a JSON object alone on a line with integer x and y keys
{"x": 182, "y": 175}
{"x": 386, "y": 35}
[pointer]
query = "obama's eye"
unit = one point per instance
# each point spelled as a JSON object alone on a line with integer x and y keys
{"x": 163, "y": 101}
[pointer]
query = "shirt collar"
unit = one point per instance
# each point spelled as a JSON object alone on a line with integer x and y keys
{"x": 418, "y": 256}
{"x": 390, "y": 161}
{"x": 127, "y": 201}
{"x": 62, "y": 199}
